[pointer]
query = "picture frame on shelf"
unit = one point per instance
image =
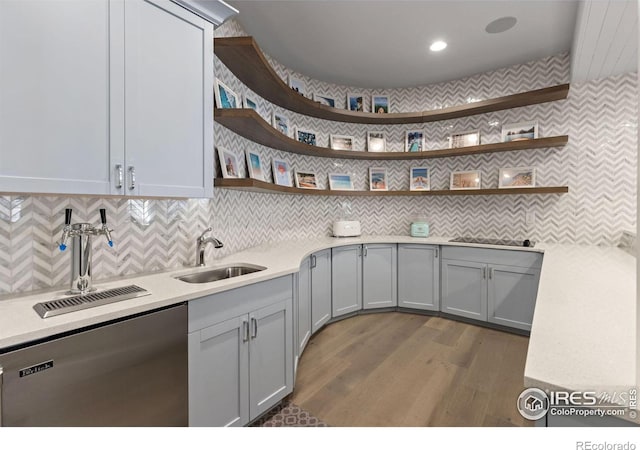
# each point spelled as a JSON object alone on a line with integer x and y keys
{"x": 298, "y": 85}
{"x": 341, "y": 142}
{"x": 281, "y": 123}
{"x": 249, "y": 102}
{"x": 414, "y": 141}
{"x": 380, "y": 104}
{"x": 229, "y": 165}
{"x": 306, "y": 180}
{"x": 520, "y": 131}
{"x": 255, "y": 166}
{"x": 355, "y": 102}
{"x": 281, "y": 173}
{"x": 225, "y": 97}
{"x": 376, "y": 141}
{"x": 464, "y": 139}
{"x": 517, "y": 177}
{"x": 378, "y": 179}
{"x": 419, "y": 179}
{"x": 469, "y": 179}
{"x": 340, "y": 182}
{"x": 305, "y": 136}
{"x": 325, "y": 99}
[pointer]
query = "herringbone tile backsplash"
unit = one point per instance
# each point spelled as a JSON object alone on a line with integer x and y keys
{"x": 598, "y": 165}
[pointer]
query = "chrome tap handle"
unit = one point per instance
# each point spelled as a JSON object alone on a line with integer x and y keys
{"x": 62, "y": 244}
{"x": 208, "y": 230}
{"x": 105, "y": 229}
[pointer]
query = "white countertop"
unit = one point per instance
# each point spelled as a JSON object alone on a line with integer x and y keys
{"x": 583, "y": 333}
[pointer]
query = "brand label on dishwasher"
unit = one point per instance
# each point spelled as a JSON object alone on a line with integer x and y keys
{"x": 37, "y": 368}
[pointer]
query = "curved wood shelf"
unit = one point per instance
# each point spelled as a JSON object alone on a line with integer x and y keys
{"x": 251, "y": 185}
{"x": 245, "y": 59}
{"x": 249, "y": 124}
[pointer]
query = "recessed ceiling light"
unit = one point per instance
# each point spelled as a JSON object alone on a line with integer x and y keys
{"x": 438, "y": 46}
{"x": 501, "y": 25}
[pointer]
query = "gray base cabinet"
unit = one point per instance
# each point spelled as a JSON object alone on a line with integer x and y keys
{"x": 240, "y": 353}
{"x": 346, "y": 279}
{"x": 379, "y": 276}
{"x": 303, "y": 307}
{"x": 419, "y": 277}
{"x": 320, "y": 289}
{"x": 498, "y": 286}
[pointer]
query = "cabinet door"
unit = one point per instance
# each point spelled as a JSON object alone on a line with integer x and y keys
{"x": 270, "y": 356}
{"x": 379, "y": 276}
{"x": 55, "y": 93}
{"x": 168, "y": 101}
{"x": 320, "y": 289}
{"x": 464, "y": 289}
{"x": 304, "y": 305}
{"x": 512, "y": 295}
{"x": 346, "y": 279}
{"x": 219, "y": 374}
{"x": 418, "y": 277}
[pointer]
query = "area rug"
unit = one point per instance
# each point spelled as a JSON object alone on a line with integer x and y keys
{"x": 288, "y": 414}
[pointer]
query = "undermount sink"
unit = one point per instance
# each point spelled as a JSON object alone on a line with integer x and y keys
{"x": 221, "y": 273}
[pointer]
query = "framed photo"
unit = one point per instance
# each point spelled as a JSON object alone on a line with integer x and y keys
{"x": 464, "y": 139}
{"x": 254, "y": 164}
{"x": 281, "y": 173}
{"x": 306, "y": 136}
{"x": 465, "y": 180}
{"x": 324, "y": 99}
{"x": 249, "y": 102}
{"x": 376, "y": 141}
{"x": 228, "y": 163}
{"x": 419, "y": 179}
{"x": 306, "y": 180}
{"x": 281, "y": 123}
{"x": 517, "y": 177}
{"x": 414, "y": 141}
{"x": 340, "y": 182}
{"x": 298, "y": 85}
{"x": 378, "y": 179}
{"x": 355, "y": 102}
{"x": 339, "y": 142}
{"x": 380, "y": 104}
{"x": 520, "y": 131}
{"x": 225, "y": 97}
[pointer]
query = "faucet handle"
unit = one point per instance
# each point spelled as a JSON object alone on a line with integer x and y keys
{"x": 105, "y": 229}
{"x": 208, "y": 230}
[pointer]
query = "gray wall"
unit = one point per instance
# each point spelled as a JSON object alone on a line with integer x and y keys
{"x": 598, "y": 165}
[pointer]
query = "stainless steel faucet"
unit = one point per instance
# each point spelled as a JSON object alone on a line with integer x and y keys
{"x": 201, "y": 245}
{"x": 81, "y": 234}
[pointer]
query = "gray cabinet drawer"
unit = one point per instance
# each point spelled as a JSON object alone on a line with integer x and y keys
{"x": 519, "y": 258}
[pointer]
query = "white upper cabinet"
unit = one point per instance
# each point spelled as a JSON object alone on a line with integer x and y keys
{"x": 105, "y": 97}
{"x": 54, "y": 96}
{"x": 168, "y": 100}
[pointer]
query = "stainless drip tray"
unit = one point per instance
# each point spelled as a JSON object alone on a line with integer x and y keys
{"x": 85, "y": 301}
{"x": 509, "y": 242}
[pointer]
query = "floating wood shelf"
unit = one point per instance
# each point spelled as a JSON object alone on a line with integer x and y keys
{"x": 249, "y": 124}
{"x": 245, "y": 59}
{"x": 251, "y": 185}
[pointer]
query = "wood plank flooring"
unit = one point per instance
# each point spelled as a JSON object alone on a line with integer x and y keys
{"x": 399, "y": 369}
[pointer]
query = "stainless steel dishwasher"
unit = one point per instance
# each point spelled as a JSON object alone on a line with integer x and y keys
{"x": 131, "y": 372}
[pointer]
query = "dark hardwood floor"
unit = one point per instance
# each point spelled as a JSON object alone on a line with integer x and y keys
{"x": 398, "y": 369}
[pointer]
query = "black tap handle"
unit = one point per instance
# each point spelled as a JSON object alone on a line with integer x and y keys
{"x": 67, "y": 216}
{"x": 103, "y": 216}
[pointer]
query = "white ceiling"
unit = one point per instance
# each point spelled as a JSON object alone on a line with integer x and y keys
{"x": 384, "y": 44}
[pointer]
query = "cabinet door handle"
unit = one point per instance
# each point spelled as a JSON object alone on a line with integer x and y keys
{"x": 365, "y": 250}
{"x": 313, "y": 261}
{"x": 436, "y": 252}
{"x": 484, "y": 273}
{"x": 254, "y": 323}
{"x": 132, "y": 178}
{"x": 119, "y": 176}
{"x": 491, "y": 273}
{"x": 245, "y": 331}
